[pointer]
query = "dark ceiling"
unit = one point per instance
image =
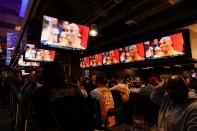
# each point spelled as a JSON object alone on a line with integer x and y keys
{"x": 118, "y": 21}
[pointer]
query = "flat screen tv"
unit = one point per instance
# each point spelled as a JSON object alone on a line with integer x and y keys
{"x": 96, "y": 60}
{"x": 85, "y": 62}
{"x": 11, "y": 44}
{"x": 35, "y": 54}
{"x": 27, "y": 63}
{"x": 132, "y": 53}
{"x": 62, "y": 34}
{"x": 167, "y": 46}
{"x": 111, "y": 57}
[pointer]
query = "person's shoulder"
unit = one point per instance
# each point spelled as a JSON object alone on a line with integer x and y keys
{"x": 192, "y": 103}
{"x": 177, "y": 52}
{"x": 69, "y": 85}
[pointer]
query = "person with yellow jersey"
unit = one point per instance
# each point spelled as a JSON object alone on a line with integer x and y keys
{"x": 104, "y": 97}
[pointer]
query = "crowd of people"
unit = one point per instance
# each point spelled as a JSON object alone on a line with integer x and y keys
{"x": 100, "y": 103}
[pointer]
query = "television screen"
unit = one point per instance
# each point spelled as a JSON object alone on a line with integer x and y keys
{"x": 84, "y": 62}
{"x": 132, "y": 53}
{"x": 26, "y": 63}
{"x": 96, "y": 60}
{"x": 167, "y": 46}
{"x": 11, "y": 44}
{"x": 63, "y": 34}
{"x": 111, "y": 57}
{"x": 34, "y": 54}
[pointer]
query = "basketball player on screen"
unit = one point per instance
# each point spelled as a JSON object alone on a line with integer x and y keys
{"x": 167, "y": 47}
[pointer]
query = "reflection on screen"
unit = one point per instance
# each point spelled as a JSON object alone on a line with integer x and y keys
{"x": 34, "y": 54}
{"x": 172, "y": 45}
{"x": 62, "y": 34}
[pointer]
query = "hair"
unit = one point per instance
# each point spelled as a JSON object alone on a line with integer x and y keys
{"x": 60, "y": 22}
{"x": 166, "y": 38}
{"x": 178, "y": 86}
{"x": 74, "y": 26}
{"x": 53, "y": 73}
{"x": 101, "y": 81}
{"x": 153, "y": 80}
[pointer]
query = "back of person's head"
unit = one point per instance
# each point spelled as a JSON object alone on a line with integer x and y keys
{"x": 119, "y": 80}
{"x": 177, "y": 89}
{"x": 53, "y": 73}
{"x": 94, "y": 77}
{"x": 101, "y": 81}
{"x": 153, "y": 80}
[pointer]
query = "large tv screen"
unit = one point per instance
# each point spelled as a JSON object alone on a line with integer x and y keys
{"x": 85, "y": 62}
{"x": 96, "y": 60}
{"x": 34, "y": 54}
{"x": 111, "y": 57}
{"x": 63, "y": 34}
{"x": 132, "y": 53}
{"x": 27, "y": 63}
{"x": 167, "y": 46}
{"x": 11, "y": 44}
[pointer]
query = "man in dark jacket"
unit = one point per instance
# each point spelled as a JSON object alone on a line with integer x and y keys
{"x": 178, "y": 110}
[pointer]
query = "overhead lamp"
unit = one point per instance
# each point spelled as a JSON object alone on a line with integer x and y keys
{"x": 93, "y": 30}
{"x": 17, "y": 28}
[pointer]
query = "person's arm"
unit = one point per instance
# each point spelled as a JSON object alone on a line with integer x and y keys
{"x": 192, "y": 121}
{"x": 157, "y": 96}
{"x": 94, "y": 94}
{"x": 114, "y": 88}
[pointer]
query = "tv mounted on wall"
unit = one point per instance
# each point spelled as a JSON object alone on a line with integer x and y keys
{"x": 40, "y": 55}
{"x": 21, "y": 62}
{"x": 85, "y": 62}
{"x": 111, "y": 57}
{"x": 166, "y": 46}
{"x": 96, "y": 60}
{"x": 132, "y": 53}
{"x": 62, "y": 34}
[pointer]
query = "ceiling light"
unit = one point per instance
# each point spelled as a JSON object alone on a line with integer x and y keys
{"x": 93, "y": 30}
{"x": 147, "y": 68}
{"x": 17, "y": 28}
{"x": 178, "y": 65}
{"x": 173, "y": 1}
{"x": 130, "y": 21}
{"x": 166, "y": 67}
{"x": 134, "y": 69}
